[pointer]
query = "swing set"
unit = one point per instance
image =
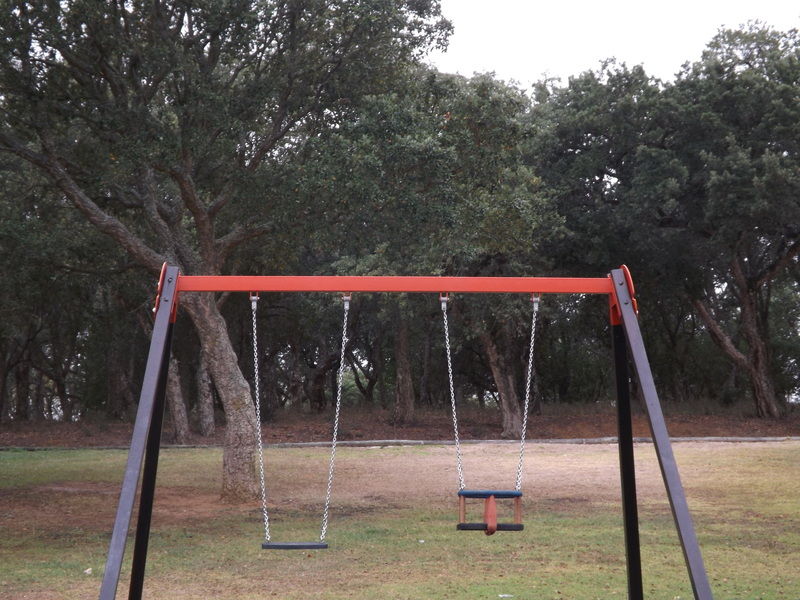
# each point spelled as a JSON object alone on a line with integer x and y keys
{"x": 141, "y": 467}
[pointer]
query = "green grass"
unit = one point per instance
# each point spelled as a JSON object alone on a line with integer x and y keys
{"x": 396, "y": 539}
{"x": 21, "y": 469}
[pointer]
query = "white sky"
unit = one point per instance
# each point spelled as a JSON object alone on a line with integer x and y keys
{"x": 524, "y": 40}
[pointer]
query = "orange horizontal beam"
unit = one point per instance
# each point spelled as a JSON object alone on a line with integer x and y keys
{"x": 346, "y": 283}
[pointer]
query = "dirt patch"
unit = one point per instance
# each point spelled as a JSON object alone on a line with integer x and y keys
{"x": 90, "y": 507}
{"x": 565, "y": 478}
{"x": 59, "y": 510}
{"x": 429, "y": 425}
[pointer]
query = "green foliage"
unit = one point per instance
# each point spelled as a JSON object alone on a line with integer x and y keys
{"x": 172, "y": 126}
{"x": 689, "y": 184}
{"x": 306, "y": 138}
{"x": 735, "y": 131}
{"x": 168, "y": 116}
{"x": 58, "y": 302}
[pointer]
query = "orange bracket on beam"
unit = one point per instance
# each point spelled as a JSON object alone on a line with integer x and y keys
{"x": 614, "y": 310}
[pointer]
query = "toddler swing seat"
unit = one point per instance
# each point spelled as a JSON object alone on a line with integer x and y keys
{"x": 489, "y": 525}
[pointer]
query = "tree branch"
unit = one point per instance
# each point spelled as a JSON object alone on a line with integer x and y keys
{"x": 203, "y": 222}
{"x": 779, "y": 264}
{"x": 221, "y": 200}
{"x": 106, "y": 223}
{"x": 171, "y": 230}
{"x": 226, "y": 244}
{"x": 720, "y": 338}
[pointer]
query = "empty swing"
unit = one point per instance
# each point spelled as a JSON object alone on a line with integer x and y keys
{"x": 489, "y": 525}
{"x": 268, "y": 544}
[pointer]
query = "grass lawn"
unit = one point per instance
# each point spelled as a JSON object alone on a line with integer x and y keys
{"x": 392, "y": 530}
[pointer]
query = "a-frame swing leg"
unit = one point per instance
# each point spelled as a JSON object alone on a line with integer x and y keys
{"x": 147, "y": 493}
{"x": 627, "y": 471}
{"x": 146, "y": 438}
{"x": 663, "y": 447}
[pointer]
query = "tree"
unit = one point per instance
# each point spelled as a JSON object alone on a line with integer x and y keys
{"x": 380, "y": 185}
{"x": 696, "y": 182}
{"x": 58, "y": 299}
{"x": 164, "y": 124}
{"x": 429, "y": 179}
{"x": 590, "y": 137}
{"x": 734, "y": 151}
{"x": 503, "y": 220}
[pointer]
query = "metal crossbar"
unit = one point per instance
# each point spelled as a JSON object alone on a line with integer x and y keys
{"x": 343, "y": 283}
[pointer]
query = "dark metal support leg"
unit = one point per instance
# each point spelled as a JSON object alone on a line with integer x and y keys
{"x": 630, "y": 511}
{"x": 149, "y": 481}
{"x": 663, "y": 447}
{"x": 159, "y": 353}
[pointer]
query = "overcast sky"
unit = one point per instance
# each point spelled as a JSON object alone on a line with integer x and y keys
{"x": 527, "y": 39}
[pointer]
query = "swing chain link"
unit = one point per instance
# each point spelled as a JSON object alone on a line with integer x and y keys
{"x": 254, "y": 305}
{"x": 528, "y": 381}
{"x": 339, "y": 379}
{"x": 444, "y": 299}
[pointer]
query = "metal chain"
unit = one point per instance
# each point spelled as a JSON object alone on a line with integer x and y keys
{"x": 254, "y": 304}
{"x": 527, "y": 393}
{"x": 340, "y": 377}
{"x": 459, "y": 462}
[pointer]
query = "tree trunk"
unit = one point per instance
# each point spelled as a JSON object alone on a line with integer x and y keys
{"x": 64, "y": 400}
{"x": 205, "y": 400}
{"x": 756, "y": 335}
{"x": 764, "y": 394}
{"x": 759, "y": 371}
{"x": 382, "y": 393}
{"x": 503, "y": 376}
{"x": 404, "y": 385}
{"x": 755, "y": 364}
{"x": 239, "y": 481}
{"x": 370, "y": 374}
{"x": 295, "y": 391}
{"x": 37, "y": 399}
{"x": 535, "y": 407}
{"x": 22, "y": 388}
{"x": 316, "y": 379}
{"x": 3, "y": 395}
{"x": 316, "y": 391}
{"x": 119, "y": 395}
{"x": 176, "y": 404}
{"x": 424, "y": 378}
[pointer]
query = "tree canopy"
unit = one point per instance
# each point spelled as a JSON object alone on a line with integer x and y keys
{"x": 308, "y": 137}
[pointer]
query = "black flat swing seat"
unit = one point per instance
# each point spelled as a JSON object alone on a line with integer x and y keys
{"x": 294, "y": 546}
{"x": 489, "y": 524}
{"x": 487, "y": 493}
{"x": 485, "y": 527}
